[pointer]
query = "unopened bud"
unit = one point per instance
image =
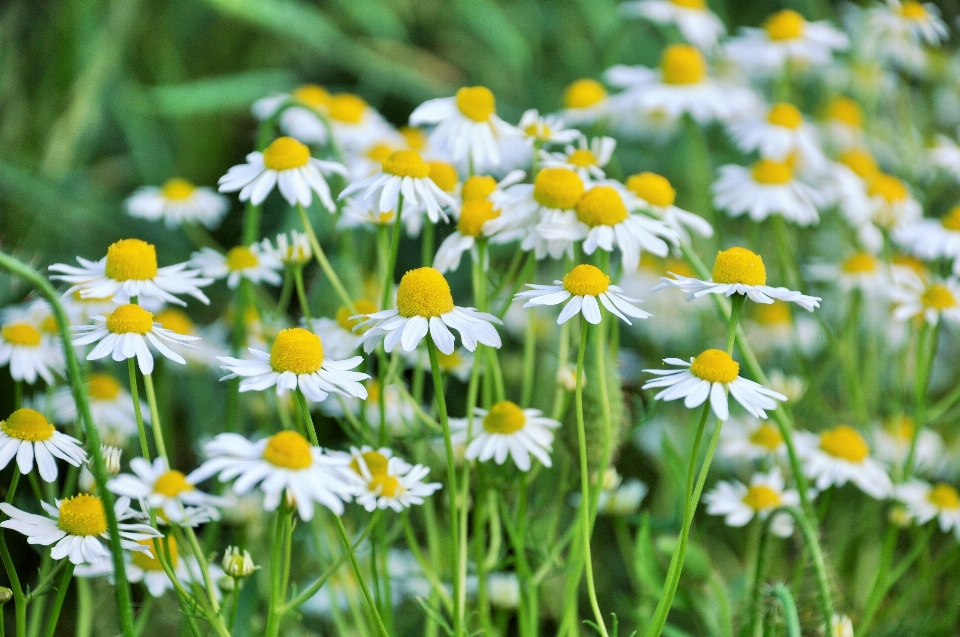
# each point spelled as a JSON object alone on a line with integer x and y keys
{"x": 567, "y": 377}
{"x": 226, "y": 583}
{"x": 899, "y": 516}
{"x": 5, "y": 595}
{"x": 236, "y": 563}
{"x": 111, "y": 459}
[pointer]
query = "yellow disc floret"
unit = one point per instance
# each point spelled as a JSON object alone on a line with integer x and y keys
{"x": 586, "y": 280}
{"x": 414, "y": 137}
{"x": 653, "y": 188}
{"x": 103, "y": 387}
{"x": 582, "y": 158}
{"x": 406, "y": 163}
{"x": 584, "y": 94}
{"x": 473, "y": 214}
{"x": 347, "y": 108}
{"x": 846, "y": 443}
{"x": 29, "y": 425}
{"x": 312, "y": 95}
{"x": 939, "y": 297}
{"x": 130, "y": 319}
{"x": 424, "y": 292}
{"x": 913, "y": 10}
{"x": 861, "y": 162}
{"x": 21, "y": 334}
{"x": 83, "y": 515}
{"x": 444, "y": 175}
{"x": 715, "y": 366}
{"x": 760, "y": 497}
{"x": 861, "y": 263}
{"x": 241, "y": 258}
{"x": 739, "y": 265}
{"x": 386, "y": 485}
{"x": 296, "y": 350}
{"x": 363, "y": 306}
{"x": 178, "y": 189}
{"x": 683, "y": 64}
{"x": 944, "y": 496}
{"x": 476, "y": 102}
{"x": 375, "y": 461}
{"x": 785, "y": 115}
{"x": 952, "y": 220}
{"x": 149, "y": 561}
{"x": 690, "y": 4}
{"x": 379, "y": 152}
{"x": 172, "y": 483}
{"x": 776, "y": 313}
{"x": 504, "y": 417}
{"x": 478, "y": 187}
{"x": 557, "y": 188}
{"x": 601, "y": 206}
{"x": 767, "y": 436}
{"x": 888, "y": 187}
{"x": 772, "y": 172}
{"x": 131, "y": 260}
{"x": 785, "y": 25}
{"x": 175, "y": 320}
{"x": 286, "y": 153}
{"x": 288, "y": 450}
{"x": 844, "y": 109}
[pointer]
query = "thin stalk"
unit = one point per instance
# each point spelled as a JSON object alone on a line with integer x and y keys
{"x": 307, "y": 418}
{"x": 323, "y": 261}
{"x": 275, "y": 601}
{"x": 394, "y": 249}
{"x": 154, "y": 415}
{"x": 85, "y": 609}
{"x": 17, "y": 394}
{"x": 754, "y": 625}
{"x": 359, "y": 575}
{"x": 809, "y": 532}
{"x": 135, "y": 394}
{"x": 924, "y": 368}
{"x": 58, "y": 602}
{"x": 302, "y": 296}
{"x": 286, "y": 293}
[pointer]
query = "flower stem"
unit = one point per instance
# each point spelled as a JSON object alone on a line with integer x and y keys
{"x": 135, "y": 394}
{"x": 371, "y": 605}
{"x": 302, "y": 296}
{"x": 735, "y": 306}
{"x": 809, "y": 532}
{"x": 323, "y": 261}
{"x": 17, "y": 394}
{"x": 926, "y": 352}
{"x": 392, "y": 261}
{"x": 754, "y": 624}
{"x": 274, "y": 616}
{"x": 58, "y": 602}
{"x": 307, "y": 418}
{"x": 154, "y": 416}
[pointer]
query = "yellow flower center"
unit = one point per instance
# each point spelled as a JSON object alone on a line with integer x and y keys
{"x": 861, "y": 263}
{"x": 21, "y": 334}
{"x": 939, "y": 297}
{"x": 944, "y": 496}
{"x": 103, "y": 387}
{"x": 770, "y": 171}
{"x": 586, "y": 280}
{"x": 347, "y": 108}
{"x": 785, "y": 25}
{"x": 150, "y": 562}
{"x": 449, "y": 361}
{"x": 582, "y": 157}
{"x": 241, "y": 258}
{"x": 172, "y": 483}
{"x": 130, "y": 319}
{"x": 363, "y": 306}
{"x": 376, "y": 463}
{"x": 178, "y": 189}
{"x": 767, "y": 436}
{"x": 379, "y": 152}
{"x": 776, "y": 313}
{"x": 83, "y": 515}
{"x": 785, "y": 115}
{"x": 474, "y": 214}
{"x": 414, "y": 137}
{"x": 903, "y": 429}
{"x": 296, "y": 350}
{"x": 912, "y": 10}
{"x": 504, "y": 417}
{"x": 601, "y": 206}
{"x": 584, "y": 94}
{"x": 175, "y": 320}
{"x": 690, "y": 4}
{"x": 683, "y": 64}
{"x": 387, "y": 484}
{"x": 29, "y": 425}
{"x": 539, "y": 130}
{"x": 952, "y": 220}
{"x": 424, "y": 292}
{"x": 760, "y": 497}
{"x": 653, "y": 188}
{"x": 131, "y": 260}
{"x": 887, "y": 186}
{"x": 844, "y": 109}
{"x": 476, "y": 102}
{"x": 715, "y": 366}
{"x": 373, "y": 391}
{"x": 739, "y": 265}
{"x": 444, "y": 175}
{"x": 844, "y": 442}
{"x": 557, "y": 188}
{"x": 478, "y": 187}
{"x": 406, "y": 163}
{"x": 312, "y": 95}
{"x": 289, "y": 450}
{"x": 678, "y": 267}
{"x": 913, "y": 263}
{"x": 49, "y": 325}
{"x": 286, "y": 153}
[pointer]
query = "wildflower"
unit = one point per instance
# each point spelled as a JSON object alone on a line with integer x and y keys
{"x": 545, "y": 129}
{"x": 932, "y": 300}
{"x": 256, "y": 263}
{"x": 893, "y": 440}
{"x": 585, "y": 101}
{"x": 843, "y": 123}
{"x": 111, "y": 408}
{"x": 27, "y": 435}
{"x": 292, "y": 250}
{"x": 27, "y": 349}
{"x": 302, "y": 111}
{"x": 503, "y": 590}
{"x": 177, "y": 202}
{"x": 167, "y": 490}
{"x": 697, "y": 24}
{"x": 479, "y": 220}
{"x": 781, "y": 134}
{"x": 890, "y": 209}
{"x": 896, "y": 31}
{"x": 619, "y": 497}
{"x": 841, "y": 626}
{"x": 751, "y": 439}
{"x": 859, "y": 271}
{"x": 741, "y": 503}
{"x": 945, "y": 155}
{"x": 586, "y": 159}
{"x": 655, "y": 194}
{"x": 840, "y": 455}
{"x": 506, "y": 429}
{"x": 769, "y": 187}
{"x": 388, "y": 481}
{"x": 925, "y": 502}
{"x": 584, "y": 286}
{"x": 932, "y": 239}
{"x": 337, "y": 334}
{"x": 786, "y": 37}
{"x": 551, "y": 199}
{"x": 238, "y": 564}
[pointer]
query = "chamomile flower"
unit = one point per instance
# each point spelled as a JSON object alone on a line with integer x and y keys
{"x": 467, "y": 126}
{"x": 256, "y": 263}
{"x": 337, "y": 334}
{"x": 840, "y": 455}
{"x": 781, "y": 134}
{"x": 769, "y": 187}
{"x": 587, "y": 159}
{"x": 932, "y": 239}
{"x": 177, "y": 202}
{"x": 697, "y": 24}
{"x": 584, "y": 285}
{"x": 858, "y": 271}
{"x": 932, "y": 300}
{"x": 896, "y": 30}
{"x": 296, "y": 361}
{"x": 585, "y": 101}
{"x": 355, "y": 124}
{"x": 425, "y": 304}
{"x": 893, "y": 440}
{"x": 303, "y": 110}
{"x": 292, "y": 250}
{"x": 711, "y": 375}
{"x": 506, "y": 430}
{"x": 890, "y": 209}
{"x": 28, "y": 350}
{"x": 283, "y": 464}
{"x": 130, "y": 270}
{"x": 503, "y": 590}
{"x": 742, "y": 503}
{"x": 545, "y": 129}
{"x": 480, "y": 220}
{"x": 388, "y": 481}
{"x": 552, "y": 197}
{"x": 77, "y": 528}
{"x": 843, "y": 124}
{"x": 841, "y": 626}
{"x": 164, "y": 489}
{"x": 786, "y": 37}
{"x": 125, "y": 334}
{"x": 655, "y": 194}
{"x": 618, "y": 497}
{"x": 27, "y": 435}
{"x": 111, "y": 407}
{"x": 945, "y": 155}
{"x": 926, "y": 501}
{"x": 213, "y": 338}
{"x": 738, "y": 271}
{"x": 751, "y": 439}
{"x": 286, "y": 163}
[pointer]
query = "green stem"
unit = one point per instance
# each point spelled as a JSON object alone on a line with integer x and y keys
{"x": 323, "y": 261}
{"x": 735, "y": 307}
{"x": 790, "y": 616}
{"x": 307, "y": 418}
{"x": 754, "y": 625}
{"x": 85, "y": 610}
{"x": 426, "y": 245}
{"x": 286, "y": 293}
{"x": 58, "y": 602}
{"x": 17, "y": 394}
{"x": 302, "y": 296}
{"x": 371, "y": 605}
{"x": 135, "y": 394}
{"x": 809, "y": 532}
{"x": 392, "y": 262}
{"x": 154, "y": 415}
{"x": 274, "y": 616}
{"x": 924, "y": 368}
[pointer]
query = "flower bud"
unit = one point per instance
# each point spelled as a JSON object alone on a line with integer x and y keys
{"x": 5, "y": 595}
{"x": 238, "y": 564}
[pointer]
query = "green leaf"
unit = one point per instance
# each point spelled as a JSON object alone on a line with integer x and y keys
{"x": 234, "y": 92}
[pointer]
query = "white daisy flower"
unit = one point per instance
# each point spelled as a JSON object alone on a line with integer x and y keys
{"x": 585, "y": 101}
{"x": 27, "y": 435}
{"x": 587, "y": 159}
{"x": 388, "y": 481}
{"x": 111, "y": 407}
{"x": 507, "y": 430}
{"x": 769, "y": 187}
{"x": 841, "y": 626}
{"x": 425, "y": 304}
{"x": 932, "y": 239}
{"x": 284, "y": 463}
{"x": 367, "y": 161}
{"x": 552, "y": 197}
{"x": 846, "y": 184}
{"x": 292, "y": 249}
{"x": 840, "y": 455}
{"x": 584, "y": 285}
{"x": 859, "y": 271}
{"x": 896, "y": 31}
{"x": 303, "y": 110}
{"x": 656, "y": 195}
{"x": 945, "y": 155}
{"x": 286, "y": 163}
{"x": 125, "y": 334}
{"x": 256, "y": 263}
{"x": 355, "y": 123}
{"x": 167, "y": 490}
{"x": 926, "y": 501}
{"x": 892, "y": 443}
{"x": 843, "y": 124}
{"x": 337, "y": 334}
{"x": 738, "y": 271}
{"x": 773, "y": 329}
{"x": 619, "y": 497}
{"x": 545, "y": 129}
{"x": 890, "y": 209}
{"x": 177, "y": 202}
{"x": 213, "y": 338}
{"x": 28, "y": 349}
{"x": 786, "y": 37}
{"x": 467, "y": 126}
{"x": 933, "y": 300}
{"x": 77, "y": 528}
{"x": 781, "y": 134}
{"x": 741, "y": 503}
{"x": 503, "y": 590}
{"x": 130, "y": 270}
{"x": 696, "y": 23}
{"x": 751, "y": 439}
{"x": 296, "y": 360}
{"x": 479, "y": 220}
{"x": 711, "y": 375}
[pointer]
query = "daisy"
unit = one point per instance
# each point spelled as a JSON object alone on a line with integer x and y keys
{"x": 945, "y": 155}
{"x": 287, "y": 164}
{"x": 425, "y": 304}
{"x": 111, "y": 407}
{"x": 403, "y": 175}
{"x": 741, "y": 503}
{"x": 337, "y": 334}
{"x": 585, "y": 101}
{"x": 843, "y": 123}
{"x": 584, "y": 285}
{"x": 256, "y": 263}
{"x": 506, "y": 429}
{"x": 786, "y": 37}
{"x": 296, "y": 361}
{"x": 897, "y": 30}
{"x": 697, "y": 24}
{"x": 213, "y": 338}
{"x": 586, "y": 159}
{"x": 292, "y": 250}
{"x": 926, "y": 501}
{"x": 892, "y": 442}
{"x": 914, "y": 297}
{"x": 545, "y": 129}
{"x": 769, "y": 187}
{"x": 487, "y": 187}
{"x": 28, "y": 349}
{"x": 130, "y": 270}
{"x": 932, "y": 239}
{"x": 284, "y": 463}
{"x": 77, "y": 527}
{"x": 751, "y": 439}
{"x": 367, "y": 161}
{"x": 841, "y": 626}
{"x": 167, "y": 490}
{"x": 859, "y": 271}
{"x": 467, "y": 126}
{"x": 656, "y": 195}
{"x": 712, "y": 374}
{"x": 176, "y": 202}
{"x": 552, "y": 197}
{"x": 125, "y": 333}
{"x": 388, "y": 481}
{"x": 503, "y": 590}
{"x": 479, "y": 220}
{"x": 26, "y": 434}
{"x": 738, "y": 271}
{"x": 619, "y": 497}
{"x": 302, "y": 112}
{"x": 781, "y": 135}
{"x": 355, "y": 123}
{"x": 840, "y": 455}
{"x": 890, "y": 209}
